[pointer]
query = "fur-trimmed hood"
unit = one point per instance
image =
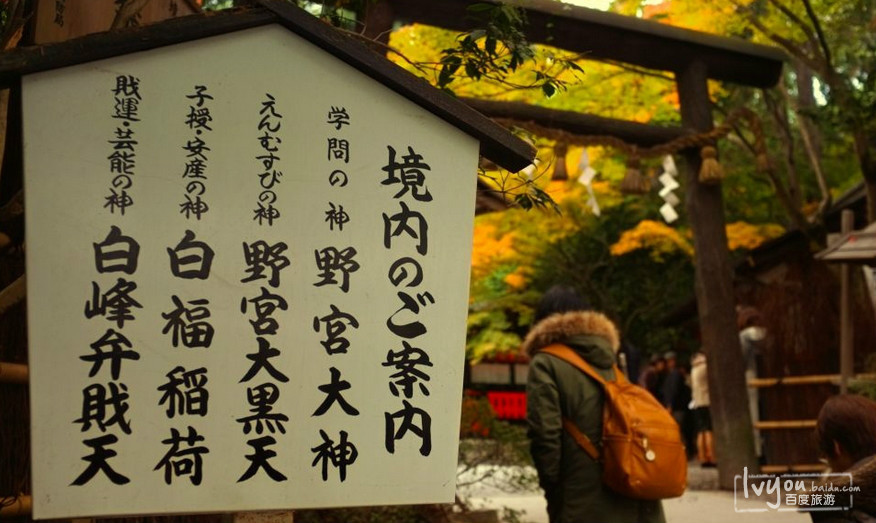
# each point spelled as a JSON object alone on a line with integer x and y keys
{"x": 559, "y": 327}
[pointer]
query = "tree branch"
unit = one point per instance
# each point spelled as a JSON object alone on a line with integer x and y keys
{"x": 778, "y": 186}
{"x": 821, "y": 39}
{"x": 419, "y": 66}
{"x": 779, "y": 112}
{"x": 796, "y": 19}
{"x": 787, "y": 44}
{"x": 640, "y": 70}
{"x": 808, "y": 132}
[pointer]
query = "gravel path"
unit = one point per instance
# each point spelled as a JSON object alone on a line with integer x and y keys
{"x": 701, "y": 502}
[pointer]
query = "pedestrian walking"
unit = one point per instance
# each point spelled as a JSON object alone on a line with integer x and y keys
{"x": 701, "y": 414}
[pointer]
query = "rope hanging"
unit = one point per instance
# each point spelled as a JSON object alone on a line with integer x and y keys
{"x": 711, "y": 171}
{"x": 634, "y": 182}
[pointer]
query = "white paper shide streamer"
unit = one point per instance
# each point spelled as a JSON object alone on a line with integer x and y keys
{"x": 529, "y": 170}
{"x": 586, "y": 178}
{"x": 667, "y": 179}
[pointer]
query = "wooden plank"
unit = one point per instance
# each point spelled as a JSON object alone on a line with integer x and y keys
{"x": 806, "y": 467}
{"x": 640, "y": 134}
{"x": 13, "y": 294}
{"x": 13, "y": 373}
{"x": 821, "y": 379}
{"x": 20, "y": 505}
{"x": 815, "y": 379}
{"x": 59, "y": 20}
{"x": 785, "y": 424}
{"x": 609, "y": 36}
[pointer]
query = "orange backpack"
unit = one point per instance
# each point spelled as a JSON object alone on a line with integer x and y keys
{"x": 643, "y": 456}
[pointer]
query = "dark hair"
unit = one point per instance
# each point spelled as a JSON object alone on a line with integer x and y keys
{"x": 748, "y": 316}
{"x": 849, "y": 420}
{"x": 559, "y": 299}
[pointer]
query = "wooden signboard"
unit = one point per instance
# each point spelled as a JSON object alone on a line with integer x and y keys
{"x": 247, "y": 282}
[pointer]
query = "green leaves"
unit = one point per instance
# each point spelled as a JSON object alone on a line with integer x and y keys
{"x": 497, "y": 50}
{"x": 535, "y": 197}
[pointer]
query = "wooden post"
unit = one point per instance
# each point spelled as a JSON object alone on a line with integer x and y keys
{"x": 734, "y": 441}
{"x": 847, "y": 334}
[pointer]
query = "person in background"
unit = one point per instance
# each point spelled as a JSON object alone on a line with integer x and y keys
{"x": 751, "y": 339}
{"x": 651, "y": 378}
{"x": 632, "y": 360}
{"x": 701, "y": 414}
{"x": 555, "y": 389}
{"x": 846, "y": 435}
{"x": 688, "y": 427}
{"x": 675, "y": 394}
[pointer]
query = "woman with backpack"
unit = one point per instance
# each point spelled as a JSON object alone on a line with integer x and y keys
{"x": 556, "y": 391}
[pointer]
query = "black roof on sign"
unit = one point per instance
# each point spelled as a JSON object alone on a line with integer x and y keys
{"x": 496, "y": 143}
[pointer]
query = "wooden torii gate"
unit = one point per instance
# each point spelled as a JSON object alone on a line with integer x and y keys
{"x": 694, "y": 58}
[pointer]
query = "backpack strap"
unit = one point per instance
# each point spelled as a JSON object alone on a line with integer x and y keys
{"x": 565, "y": 353}
{"x": 581, "y": 439}
{"x": 568, "y": 355}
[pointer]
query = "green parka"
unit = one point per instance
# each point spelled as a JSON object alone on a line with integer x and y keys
{"x": 571, "y": 479}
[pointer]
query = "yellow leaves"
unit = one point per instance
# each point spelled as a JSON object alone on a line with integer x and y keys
{"x": 658, "y": 238}
{"x": 710, "y": 17}
{"x": 560, "y": 190}
{"x": 644, "y": 114}
{"x": 742, "y": 235}
{"x": 507, "y": 244}
{"x": 603, "y": 187}
{"x": 661, "y": 239}
{"x": 516, "y": 280}
{"x": 419, "y": 43}
{"x": 489, "y": 248}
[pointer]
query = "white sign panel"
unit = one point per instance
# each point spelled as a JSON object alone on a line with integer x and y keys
{"x": 247, "y": 283}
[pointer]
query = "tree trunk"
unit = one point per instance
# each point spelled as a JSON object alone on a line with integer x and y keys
{"x": 734, "y": 442}
{"x": 377, "y": 18}
{"x": 871, "y": 201}
{"x": 779, "y": 110}
{"x": 867, "y": 161}
{"x": 812, "y": 140}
